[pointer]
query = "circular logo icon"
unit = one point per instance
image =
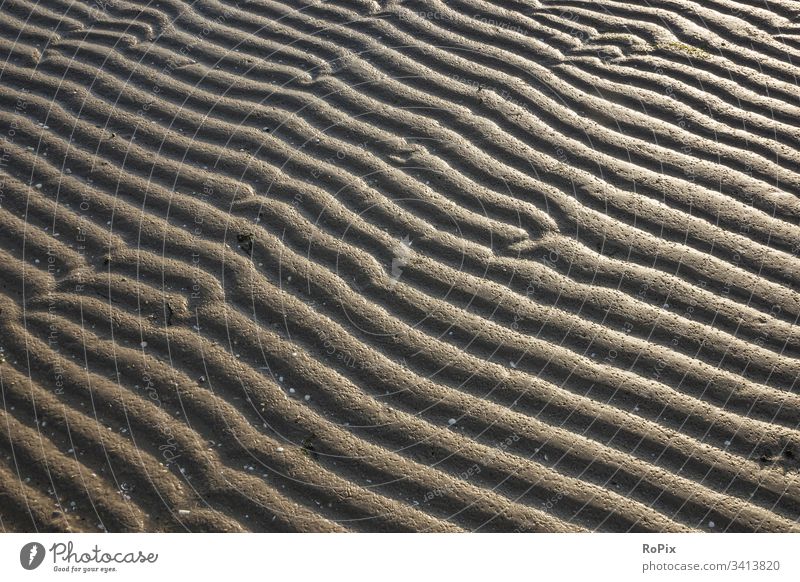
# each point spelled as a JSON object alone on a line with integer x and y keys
{"x": 31, "y": 555}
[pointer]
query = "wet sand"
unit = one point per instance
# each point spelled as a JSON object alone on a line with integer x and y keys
{"x": 399, "y": 266}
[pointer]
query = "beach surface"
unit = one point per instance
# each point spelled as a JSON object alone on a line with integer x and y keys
{"x": 516, "y": 266}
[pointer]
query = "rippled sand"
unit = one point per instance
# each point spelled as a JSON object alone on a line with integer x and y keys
{"x": 399, "y": 266}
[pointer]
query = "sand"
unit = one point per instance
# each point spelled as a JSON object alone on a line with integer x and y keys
{"x": 399, "y": 266}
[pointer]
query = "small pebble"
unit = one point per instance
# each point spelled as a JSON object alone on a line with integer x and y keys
{"x": 451, "y": 421}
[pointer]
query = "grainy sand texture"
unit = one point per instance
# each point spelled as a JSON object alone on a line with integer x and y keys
{"x": 294, "y": 265}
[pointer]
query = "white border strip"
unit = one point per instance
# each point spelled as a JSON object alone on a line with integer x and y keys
{"x": 390, "y": 557}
